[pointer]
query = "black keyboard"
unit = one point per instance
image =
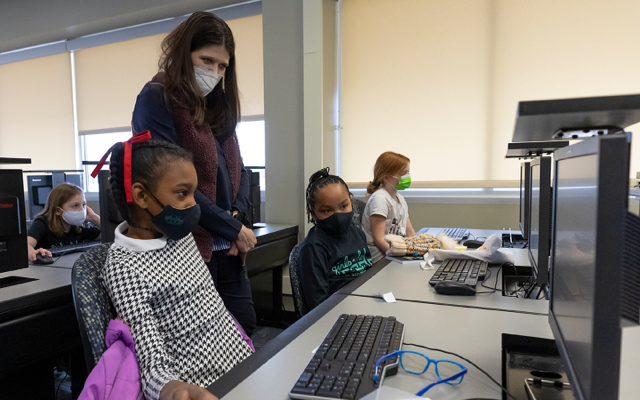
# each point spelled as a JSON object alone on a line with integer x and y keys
{"x": 466, "y": 271}
{"x": 344, "y": 365}
{"x": 73, "y": 248}
{"x": 456, "y": 233}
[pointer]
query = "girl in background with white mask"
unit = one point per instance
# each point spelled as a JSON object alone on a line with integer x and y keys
{"x": 193, "y": 102}
{"x": 386, "y": 211}
{"x": 66, "y": 219}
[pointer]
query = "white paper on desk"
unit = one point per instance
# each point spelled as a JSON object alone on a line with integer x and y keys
{"x": 388, "y": 297}
{"x": 389, "y": 393}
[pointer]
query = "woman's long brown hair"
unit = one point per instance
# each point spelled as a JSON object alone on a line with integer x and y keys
{"x": 221, "y": 108}
{"x": 387, "y": 165}
{"x": 57, "y": 197}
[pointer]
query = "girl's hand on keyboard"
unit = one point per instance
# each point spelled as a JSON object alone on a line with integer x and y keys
{"x": 176, "y": 390}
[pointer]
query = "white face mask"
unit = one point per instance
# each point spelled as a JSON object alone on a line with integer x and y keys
{"x": 75, "y": 218}
{"x": 206, "y": 80}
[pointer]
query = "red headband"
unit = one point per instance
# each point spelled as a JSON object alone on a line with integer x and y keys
{"x": 137, "y": 138}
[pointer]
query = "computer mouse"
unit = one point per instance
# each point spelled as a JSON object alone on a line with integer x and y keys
{"x": 454, "y": 288}
{"x": 43, "y": 260}
{"x": 472, "y": 244}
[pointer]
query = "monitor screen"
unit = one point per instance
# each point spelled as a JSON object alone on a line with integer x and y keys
{"x": 574, "y": 259}
{"x": 41, "y": 195}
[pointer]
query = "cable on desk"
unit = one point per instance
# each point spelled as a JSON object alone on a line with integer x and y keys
{"x": 465, "y": 359}
{"x": 495, "y": 286}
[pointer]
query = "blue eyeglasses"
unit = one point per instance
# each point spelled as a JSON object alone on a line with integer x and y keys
{"x": 447, "y": 371}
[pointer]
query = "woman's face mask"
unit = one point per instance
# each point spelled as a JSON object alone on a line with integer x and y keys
{"x": 206, "y": 80}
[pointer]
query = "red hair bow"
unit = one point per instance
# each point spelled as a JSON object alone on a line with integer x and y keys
{"x": 137, "y": 138}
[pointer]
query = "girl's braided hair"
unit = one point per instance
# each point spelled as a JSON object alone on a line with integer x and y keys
{"x": 319, "y": 180}
{"x": 149, "y": 160}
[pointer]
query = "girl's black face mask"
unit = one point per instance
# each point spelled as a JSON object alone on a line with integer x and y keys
{"x": 337, "y": 224}
{"x": 174, "y": 222}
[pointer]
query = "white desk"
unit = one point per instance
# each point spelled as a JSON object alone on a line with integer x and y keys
{"x": 473, "y": 333}
{"x": 410, "y": 282}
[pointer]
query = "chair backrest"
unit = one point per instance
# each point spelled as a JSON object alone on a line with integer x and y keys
{"x": 294, "y": 275}
{"x": 358, "y": 209}
{"x": 93, "y": 307}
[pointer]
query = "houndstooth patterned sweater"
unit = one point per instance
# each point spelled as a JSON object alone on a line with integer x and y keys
{"x": 162, "y": 289}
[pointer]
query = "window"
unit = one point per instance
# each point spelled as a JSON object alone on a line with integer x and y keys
{"x": 251, "y": 139}
{"x": 93, "y": 148}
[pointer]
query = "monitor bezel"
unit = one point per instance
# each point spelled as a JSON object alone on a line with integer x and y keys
{"x": 107, "y": 223}
{"x": 525, "y": 197}
{"x": 613, "y": 170}
{"x": 541, "y": 268}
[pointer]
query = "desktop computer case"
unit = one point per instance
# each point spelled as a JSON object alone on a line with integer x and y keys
{"x": 13, "y": 232}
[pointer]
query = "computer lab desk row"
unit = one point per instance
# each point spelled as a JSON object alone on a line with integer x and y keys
{"x": 470, "y": 326}
{"x": 38, "y": 322}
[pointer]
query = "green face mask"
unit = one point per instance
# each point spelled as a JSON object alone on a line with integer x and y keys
{"x": 404, "y": 182}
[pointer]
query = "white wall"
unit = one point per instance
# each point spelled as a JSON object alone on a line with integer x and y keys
{"x": 440, "y": 80}
{"x": 36, "y": 113}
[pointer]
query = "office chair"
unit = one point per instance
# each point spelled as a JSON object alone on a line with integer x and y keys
{"x": 358, "y": 210}
{"x": 294, "y": 275}
{"x": 93, "y": 307}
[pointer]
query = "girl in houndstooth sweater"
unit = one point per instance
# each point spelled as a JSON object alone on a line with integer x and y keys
{"x": 157, "y": 280}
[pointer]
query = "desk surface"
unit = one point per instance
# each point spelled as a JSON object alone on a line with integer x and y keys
{"x": 51, "y": 283}
{"x": 432, "y": 325}
{"x": 265, "y": 234}
{"x": 410, "y": 282}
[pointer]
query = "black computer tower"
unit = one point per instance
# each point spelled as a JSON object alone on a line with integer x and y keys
{"x": 13, "y": 223}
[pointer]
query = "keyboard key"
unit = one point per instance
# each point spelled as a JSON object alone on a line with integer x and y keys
{"x": 300, "y": 390}
{"x": 305, "y": 377}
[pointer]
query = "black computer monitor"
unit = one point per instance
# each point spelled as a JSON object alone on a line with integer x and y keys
{"x": 13, "y": 225}
{"x": 540, "y": 219}
{"x": 110, "y": 217}
{"x": 39, "y": 187}
{"x": 525, "y": 199}
{"x": 594, "y": 268}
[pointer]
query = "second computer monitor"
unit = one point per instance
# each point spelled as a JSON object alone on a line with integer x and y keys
{"x": 110, "y": 217}
{"x": 525, "y": 199}
{"x": 540, "y": 219}
{"x": 595, "y": 263}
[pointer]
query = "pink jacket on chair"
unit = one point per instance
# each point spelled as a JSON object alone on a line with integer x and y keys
{"x": 117, "y": 375}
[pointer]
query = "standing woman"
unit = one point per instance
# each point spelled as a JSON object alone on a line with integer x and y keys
{"x": 193, "y": 102}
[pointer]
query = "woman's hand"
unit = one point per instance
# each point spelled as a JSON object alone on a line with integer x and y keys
{"x": 93, "y": 217}
{"x": 245, "y": 242}
{"x": 176, "y": 390}
{"x": 33, "y": 253}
